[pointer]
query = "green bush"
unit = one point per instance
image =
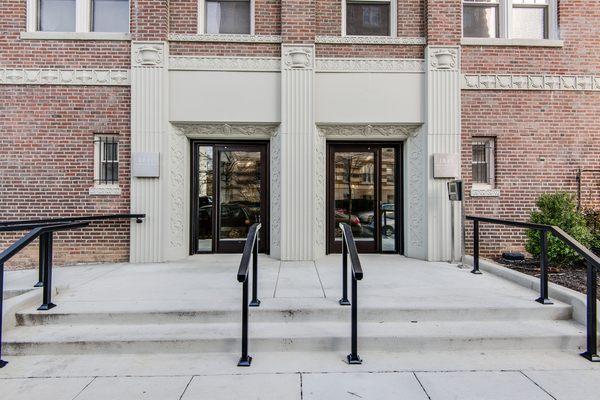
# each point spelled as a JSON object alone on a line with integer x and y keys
{"x": 592, "y": 220}
{"x": 558, "y": 209}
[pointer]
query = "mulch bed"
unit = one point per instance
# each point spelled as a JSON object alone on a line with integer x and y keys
{"x": 574, "y": 277}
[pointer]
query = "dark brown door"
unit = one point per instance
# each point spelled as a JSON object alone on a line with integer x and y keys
{"x": 364, "y": 192}
{"x": 231, "y": 193}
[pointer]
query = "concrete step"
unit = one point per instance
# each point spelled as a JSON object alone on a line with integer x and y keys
{"x": 284, "y": 310}
{"x": 294, "y": 336}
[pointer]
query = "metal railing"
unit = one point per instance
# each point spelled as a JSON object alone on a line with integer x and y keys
{"x": 349, "y": 247}
{"x": 592, "y": 263}
{"x": 44, "y": 229}
{"x": 250, "y": 249}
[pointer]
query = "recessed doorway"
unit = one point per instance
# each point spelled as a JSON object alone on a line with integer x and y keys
{"x": 230, "y": 192}
{"x": 364, "y": 190}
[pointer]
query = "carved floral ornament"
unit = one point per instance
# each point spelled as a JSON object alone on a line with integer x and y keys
{"x": 392, "y": 131}
{"x": 530, "y": 82}
{"x": 298, "y": 57}
{"x": 225, "y": 130}
{"x": 148, "y": 55}
{"x": 444, "y": 58}
{"x": 24, "y": 76}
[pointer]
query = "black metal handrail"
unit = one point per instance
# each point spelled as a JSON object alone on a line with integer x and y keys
{"x": 592, "y": 262}
{"x": 349, "y": 247}
{"x": 22, "y": 225}
{"x": 45, "y": 233}
{"x": 250, "y": 249}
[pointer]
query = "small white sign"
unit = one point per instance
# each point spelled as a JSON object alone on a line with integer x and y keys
{"x": 445, "y": 165}
{"x": 145, "y": 165}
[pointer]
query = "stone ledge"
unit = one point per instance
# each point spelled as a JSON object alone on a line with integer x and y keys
{"x": 181, "y": 37}
{"x": 512, "y": 42}
{"x": 370, "y": 40}
{"x": 485, "y": 192}
{"x": 105, "y": 190}
{"x": 75, "y": 36}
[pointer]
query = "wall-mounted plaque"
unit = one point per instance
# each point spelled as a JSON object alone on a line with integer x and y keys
{"x": 145, "y": 165}
{"x": 445, "y": 165}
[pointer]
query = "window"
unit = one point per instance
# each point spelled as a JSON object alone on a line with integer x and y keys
{"x": 106, "y": 160}
{"x": 369, "y": 18}
{"x": 480, "y": 18}
{"x": 483, "y": 162}
{"x": 510, "y": 19}
{"x": 56, "y": 15}
{"x": 228, "y": 16}
{"x": 78, "y": 16}
{"x": 110, "y": 16}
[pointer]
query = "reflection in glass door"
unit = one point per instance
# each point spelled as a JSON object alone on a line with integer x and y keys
{"x": 363, "y": 191}
{"x": 231, "y": 194}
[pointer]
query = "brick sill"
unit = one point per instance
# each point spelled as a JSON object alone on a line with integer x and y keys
{"x": 511, "y": 42}
{"x": 75, "y": 36}
{"x": 105, "y": 190}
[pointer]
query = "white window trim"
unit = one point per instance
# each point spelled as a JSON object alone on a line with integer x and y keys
{"x": 99, "y": 187}
{"x": 491, "y": 164}
{"x": 202, "y": 17}
{"x": 505, "y": 27}
{"x": 393, "y": 18}
{"x": 83, "y": 25}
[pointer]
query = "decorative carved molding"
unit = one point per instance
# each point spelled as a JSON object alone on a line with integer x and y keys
{"x": 180, "y": 37}
{"x": 202, "y": 63}
{"x": 530, "y": 82}
{"x": 475, "y": 192}
{"x": 97, "y": 77}
{"x": 443, "y": 58}
{"x": 370, "y": 40}
{"x": 395, "y": 131}
{"x": 297, "y": 57}
{"x": 105, "y": 190}
{"x": 319, "y": 193}
{"x": 275, "y": 199}
{"x": 177, "y": 190}
{"x": 369, "y": 65}
{"x": 224, "y": 130}
{"x": 416, "y": 196}
{"x": 147, "y": 54}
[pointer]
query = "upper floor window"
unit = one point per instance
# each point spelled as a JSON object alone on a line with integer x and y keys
{"x": 512, "y": 19}
{"x": 78, "y": 15}
{"x": 227, "y": 16}
{"x": 369, "y": 17}
{"x": 110, "y": 15}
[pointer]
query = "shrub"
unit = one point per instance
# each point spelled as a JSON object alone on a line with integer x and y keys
{"x": 592, "y": 220}
{"x": 558, "y": 209}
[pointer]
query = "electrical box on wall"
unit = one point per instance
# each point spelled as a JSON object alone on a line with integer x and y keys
{"x": 445, "y": 165}
{"x": 455, "y": 190}
{"x": 145, "y": 165}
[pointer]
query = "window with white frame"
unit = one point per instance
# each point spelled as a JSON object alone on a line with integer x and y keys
{"x": 482, "y": 162}
{"x": 226, "y": 16}
{"x": 510, "y": 19}
{"x": 78, "y": 16}
{"x": 106, "y": 159}
{"x": 369, "y": 17}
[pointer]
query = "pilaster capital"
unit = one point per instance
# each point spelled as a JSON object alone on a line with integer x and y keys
{"x": 149, "y": 54}
{"x": 297, "y": 56}
{"x": 443, "y": 58}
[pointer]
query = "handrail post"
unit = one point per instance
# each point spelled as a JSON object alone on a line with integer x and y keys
{"x": 2, "y": 362}
{"x": 592, "y": 317}
{"x": 42, "y": 253}
{"x": 245, "y": 359}
{"x": 255, "y": 302}
{"x": 543, "y": 299}
{"x": 353, "y": 357}
{"x": 476, "y": 248}
{"x": 47, "y": 295}
{"x": 344, "y": 300}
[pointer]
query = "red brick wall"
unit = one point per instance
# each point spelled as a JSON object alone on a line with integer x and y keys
{"x": 444, "y": 22}
{"x": 46, "y": 162}
{"x": 298, "y": 21}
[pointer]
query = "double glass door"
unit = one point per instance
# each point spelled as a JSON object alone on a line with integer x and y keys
{"x": 230, "y": 193}
{"x": 364, "y": 192}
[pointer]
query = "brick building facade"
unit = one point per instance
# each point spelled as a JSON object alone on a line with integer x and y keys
{"x": 298, "y": 83}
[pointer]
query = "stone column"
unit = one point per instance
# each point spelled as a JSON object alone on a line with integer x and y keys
{"x": 294, "y": 157}
{"x": 148, "y": 143}
{"x": 443, "y": 136}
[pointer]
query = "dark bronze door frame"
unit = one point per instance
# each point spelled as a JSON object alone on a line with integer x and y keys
{"x": 374, "y": 246}
{"x": 234, "y": 245}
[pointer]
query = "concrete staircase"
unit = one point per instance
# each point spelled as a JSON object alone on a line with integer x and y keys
{"x": 295, "y": 324}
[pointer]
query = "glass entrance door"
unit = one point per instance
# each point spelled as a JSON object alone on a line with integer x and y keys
{"x": 363, "y": 191}
{"x": 231, "y": 194}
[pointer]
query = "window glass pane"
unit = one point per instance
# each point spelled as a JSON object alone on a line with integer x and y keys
{"x": 205, "y": 198}
{"x": 227, "y": 16}
{"x": 57, "y": 15}
{"x": 368, "y": 19}
{"x": 482, "y": 160}
{"x": 110, "y": 16}
{"x": 480, "y": 20}
{"x": 529, "y": 22}
{"x": 388, "y": 199}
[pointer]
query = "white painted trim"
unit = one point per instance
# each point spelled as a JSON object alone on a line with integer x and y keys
{"x": 105, "y": 190}
{"x": 511, "y": 42}
{"x": 83, "y": 15}
{"x": 370, "y": 40}
{"x": 388, "y": 65}
{"x": 32, "y": 13}
{"x": 39, "y": 35}
{"x": 530, "y": 82}
{"x": 207, "y": 63}
{"x": 393, "y": 16}
{"x": 43, "y": 76}
{"x": 201, "y": 29}
{"x": 205, "y": 37}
